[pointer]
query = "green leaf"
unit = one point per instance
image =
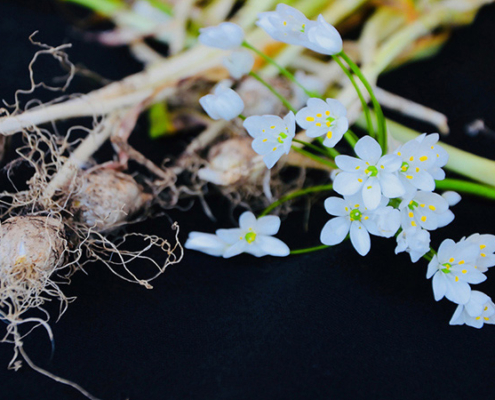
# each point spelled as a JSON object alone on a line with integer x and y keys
{"x": 105, "y": 7}
{"x": 159, "y": 119}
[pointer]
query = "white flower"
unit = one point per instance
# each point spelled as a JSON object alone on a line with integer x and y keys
{"x": 352, "y": 216}
{"x": 323, "y": 37}
{"x": 415, "y": 241}
{"x": 486, "y": 248}
{"x": 479, "y": 310}
{"x": 453, "y": 268}
{"x": 239, "y": 63}
{"x": 427, "y": 210}
{"x": 387, "y": 220}
{"x": 452, "y": 197}
{"x": 324, "y": 118}
{"x": 206, "y": 243}
{"x": 272, "y": 135}
{"x": 226, "y": 36}
{"x": 254, "y": 236}
{"x": 370, "y": 173}
{"x": 286, "y": 24}
{"x": 422, "y": 160}
{"x": 225, "y": 103}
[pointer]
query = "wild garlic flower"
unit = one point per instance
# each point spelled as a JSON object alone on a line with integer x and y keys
{"x": 479, "y": 310}
{"x": 452, "y": 197}
{"x": 352, "y": 216}
{"x": 272, "y": 136}
{"x": 226, "y": 36}
{"x": 285, "y": 24}
{"x": 486, "y": 248}
{"x": 427, "y": 210}
{"x": 324, "y": 38}
{"x": 224, "y": 103}
{"x": 453, "y": 269}
{"x": 415, "y": 241}
{"x": 239, "y": 63}
{"x": 288, "y": 25}
{"x": 422, "y": 162}
{"x": 322, "y": 118}
{"x": 371, "y": 173}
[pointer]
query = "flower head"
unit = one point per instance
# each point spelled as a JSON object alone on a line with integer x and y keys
{"x": 352, "y": 216}
{"x": 286, "y": 24}
{"x": 452, "y": 269}
{"x": 225, "y": 103}
{"x": 322, "y": 118}
{"x": 479, "y": 310}
{"x": 427, "y": 210}
{"x": 272, "y": 135}
{"x": 226, "y": 36}
{"x": 324, "y": 38}
{"x": 238, "y": 63}
{"x": 371, "y": 173}
{"x": 422, "y": 160}
{"x": 486, "y": 247}
{"x": 415, "y": 241}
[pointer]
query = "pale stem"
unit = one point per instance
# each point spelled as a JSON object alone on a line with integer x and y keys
{"x": 412, "y": 109}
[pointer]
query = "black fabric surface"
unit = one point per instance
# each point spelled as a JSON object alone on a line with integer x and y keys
{"x": 327, "y": 325}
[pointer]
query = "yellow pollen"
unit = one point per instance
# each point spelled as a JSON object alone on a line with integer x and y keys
{"x": 347, "y": 209}
{"x": 366, "y": 218}
{"x": 478, "y": 318}
{"x": 482, "y": 246}
{"x": 399, "y": 153}
{"x": 264, "y": 140}
{"x": 413, "y": 223}
{"x": 310, "y": 119}
{"x": 319, "y": 115}
{"x": 409, "y": 176}
{"x": 272, "y": 127}
{"x": 328, "y": 124}
{"x": 285, "y": 23}
{"x": 411, "y": 215}
{"x": 486, "y": 308}
{"x": 274, "y": 148}
{"x": 464, "y": 271}
{"x": 432, "y": 208}
{"x": 318, "y": 124}
{"x": 327, "y": 113}
{"x": 423, "y": 218}
{"x": 457, "y": 279}
{"x": 486, "y": 318}
{"x": 262, "y": 130}
{"x": 438, "y": 155}
{"x": 483, "y": 255}
{"x": 356, "y": 206}
{"x": 432, "y": 147}
{"x": 411, "y": 159}
{"x": 358, "y": 167}
{"x": 461, "y": 262}
{"x": 422, "y": 205}
{"x": 369, "y": 187}
{"x": 382, "y": 167}
{"x": 417, "y": 169}
{"x": 424, "y": 158}
{"x": 360, "y": 180}
{"x": 451, "y": 259}
{"x": 329, "y": 135}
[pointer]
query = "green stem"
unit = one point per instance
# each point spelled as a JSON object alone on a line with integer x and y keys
{"x": 314, "y": 157}
{"x": 364, "y": 104}
{"x": 243, "y": 117}
{"x": 282, "y": 70}
{"x": 309, "y": 249}
{"x": 272, "y": 89}
{"x": 382, "y": 129}
{"x": 429, "y": 256}
{"x": 351, "y": 138}
{"x": 461, "y": 186}
{"x": 331, "y": 152}
{"x": 320, "y": 150}
{"x": 293, "y": 195}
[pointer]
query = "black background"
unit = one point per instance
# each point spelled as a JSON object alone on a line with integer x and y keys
{"x": 325, "y": 325}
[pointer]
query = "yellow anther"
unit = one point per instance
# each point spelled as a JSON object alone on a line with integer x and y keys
{"x": 411, "y": 215}
{"x": 423, "y": 218}
{"x": 318, "y": 124}
{"x": 409, "y": 176}
{"x": 478, "y": 318}
{"x": 274, "y": 148}
{"x": 358, "y": 167}
{"x": 432, "y": 208}
{"x": 464, "y": 271}
{"x": 486, "y": 319}
{"x": 417, "y": 169}
{"x": 328, "y": 124}
{"x": 413, "y": 223}
{"x": 319, "y": 115}
{"x": 264, "y": 140}
{"x": 482, "y": 246}
{"x": 424, "y": 158}
{"x": 486, "y": 308}
{"x": 310, "y": 119}
{"x": 483, "y": 255}
{"x": 399, "y": 153}
{"x": 356, "y": 206}
{"x": 422, "y": 205}
{"x": 360, "y": 180}
{"x": 329, "y": 135}
{"x": 285, "y": 23}
{"x": 272, "y": 127}
{"x": 327, "y": 113}
{"x": 451, "y": 259}
{"x": 411, "y": 158}
{"x": 461, "y": 262}
{"x": 382, "y": 167}
{"x": 369, "y": 187}
{"x": 457, "y": 279}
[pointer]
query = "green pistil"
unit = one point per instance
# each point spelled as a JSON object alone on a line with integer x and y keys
{"x": 356, "y": 215}
{"x": 412, "y": 205}
{"x": 303, "y": 27}
{"x": 330, "y": 119}
{"x": 373, "y": 170}
{"x": 281, "y": 137}
{"x": 404, "y": 167}
{"x": 250, "y": 237}
{"x": 446, "y": 270}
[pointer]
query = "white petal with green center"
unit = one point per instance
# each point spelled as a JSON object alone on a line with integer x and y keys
{"x": 336, "y": 206}
{"x": 372, "y": 193}
{"x": 368, "y": 149}
{"x": 350, "y": 164}
{"x": 347, "y": 183}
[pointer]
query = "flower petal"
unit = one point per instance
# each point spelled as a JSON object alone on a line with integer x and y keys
{"x": 360, "y": 238}
{"x": 268, "y": 225}
{"x": 368, "y": 149}
{"x": 272, "y": 246}
{"x": 235, "y": 249}
{"x": 247, "y": 220}
{"x": 335, "y": 231}
{"x": 336, "y": 206}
